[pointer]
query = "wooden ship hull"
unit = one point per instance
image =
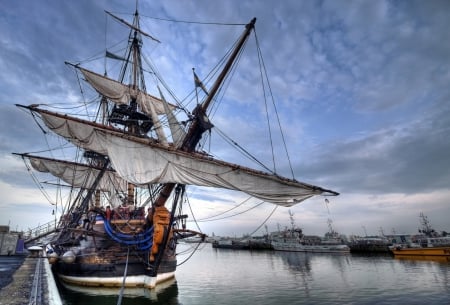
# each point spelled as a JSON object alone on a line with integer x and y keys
{"x": 100, "y": 261}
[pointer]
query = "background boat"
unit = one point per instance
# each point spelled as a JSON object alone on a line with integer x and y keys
{"x": 293, "y": 240}
{"x": 428, "y": 243}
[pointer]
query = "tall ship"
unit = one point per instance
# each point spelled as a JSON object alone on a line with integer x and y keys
{"x": 136, "y": 151}
{"x": 293, "y": 240}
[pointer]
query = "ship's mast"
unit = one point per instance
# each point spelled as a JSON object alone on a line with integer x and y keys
{"x": 137, "y": 82}
{"x": 200, "y": 121}
{"x": 136, "y": 49}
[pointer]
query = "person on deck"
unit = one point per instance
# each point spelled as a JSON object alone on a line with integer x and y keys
{"x": 108, "y": 213}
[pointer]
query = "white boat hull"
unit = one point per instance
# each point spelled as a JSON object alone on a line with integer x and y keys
{"x": 130, "y": 281}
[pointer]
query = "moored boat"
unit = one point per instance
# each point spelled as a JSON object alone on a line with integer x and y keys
{"x": 293, "y": 240}
{"x": 428, "y": 243}
{"x": 369, "y": 244}
{"x": 242, "y": 244}
{"x": 429, "y": 246}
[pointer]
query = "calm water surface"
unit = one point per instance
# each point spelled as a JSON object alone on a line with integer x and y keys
{"x": 220, "y": 276}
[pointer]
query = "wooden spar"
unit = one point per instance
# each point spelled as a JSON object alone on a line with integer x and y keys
{"x": 132, "y": 27}
{"x": 195, "y": 131}
{"x": 26, "y": 155}
{"x": 248, "y": 28}
{"x": 202, "y": 235}
{"x": 135, "y": 47}
{"x": 194, "y": 134}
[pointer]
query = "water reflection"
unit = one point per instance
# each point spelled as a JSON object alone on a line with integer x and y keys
{"x": 164, "y": 293}
{"x": 273, "y": 277}
{"x": 296, "y": 261}
{"x": 300, "y": 265}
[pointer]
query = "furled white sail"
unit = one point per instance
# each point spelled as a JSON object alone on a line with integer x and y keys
{"x": 79, "y": 175}
{"x": 178, "y": 133}
{"x": 141, "y": 162}
{"x": 122, "y": 94}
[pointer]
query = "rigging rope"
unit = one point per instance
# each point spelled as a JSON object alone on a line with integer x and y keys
{"x": 265, "y": 105}
{"x": 225, "y": 217}
{"x": 119, "y": 300}
{"x": 192, "y": 213}
{"x": 264, "y": 80}
{"x": 242, "y": 150}
{"x": 214, "y": 216}
{"x": 260, "y": 57}
{"x": 193, "y": 22}
{"x": 81, "y": 90}
{"x": 36, "y": 181}
{"x": 193, "y": 251}
{"x": 267, "y": 218}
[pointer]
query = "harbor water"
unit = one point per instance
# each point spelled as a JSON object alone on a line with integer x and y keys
{"x": 8, "y": 265}
{"x": 221, "y": 276}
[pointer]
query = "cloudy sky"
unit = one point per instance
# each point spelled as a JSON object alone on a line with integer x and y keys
{"x": 361, "y": 89}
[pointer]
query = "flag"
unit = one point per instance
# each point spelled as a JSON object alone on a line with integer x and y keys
{"x": 114, "y": 56}
{"x": 198, "y": 83}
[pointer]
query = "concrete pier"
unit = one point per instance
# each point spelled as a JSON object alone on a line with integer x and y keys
{"x": 32, "y": 284}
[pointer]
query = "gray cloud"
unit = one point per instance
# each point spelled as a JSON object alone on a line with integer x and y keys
{"x": 361, "y": 87}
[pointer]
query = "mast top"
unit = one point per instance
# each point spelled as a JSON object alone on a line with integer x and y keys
{"x": 132, "y": 26}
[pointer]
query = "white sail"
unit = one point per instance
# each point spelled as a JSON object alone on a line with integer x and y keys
{"x": 140, "y": 161}
{"x": 178, "y": 133}
{"x": 79, "y": 175}
{"x": 122, "y": 94}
